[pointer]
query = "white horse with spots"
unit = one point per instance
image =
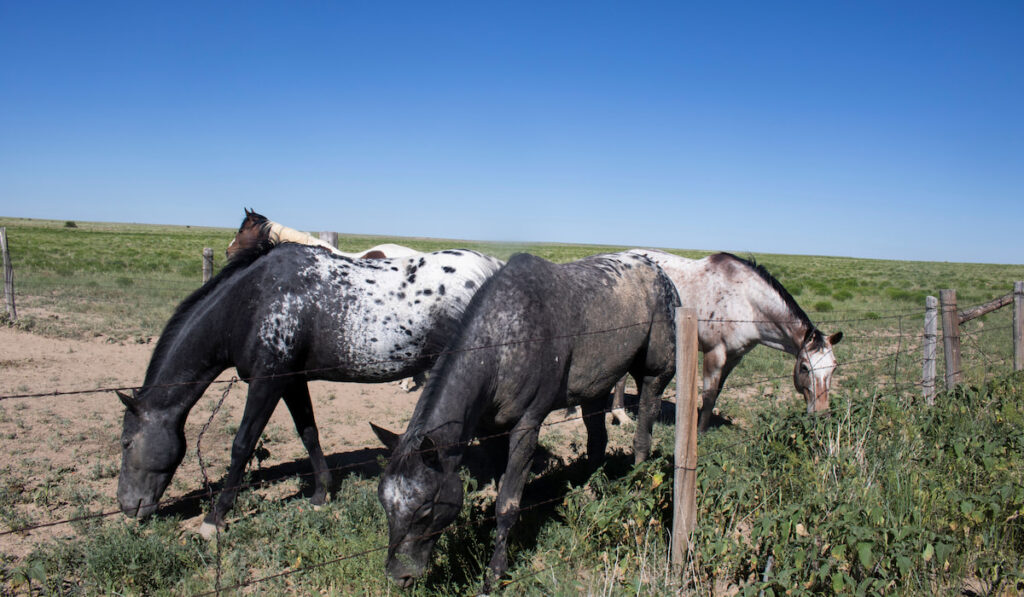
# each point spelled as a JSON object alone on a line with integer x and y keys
{"x": 740, "y": 305}
{"x": 257, "y": 230}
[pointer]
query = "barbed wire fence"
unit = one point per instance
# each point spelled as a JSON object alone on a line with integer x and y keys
{"x": 886, "y": 349}
{"x": 891, "y": 346}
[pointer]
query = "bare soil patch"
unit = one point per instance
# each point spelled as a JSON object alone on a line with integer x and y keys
{"x": 61, "y": 452}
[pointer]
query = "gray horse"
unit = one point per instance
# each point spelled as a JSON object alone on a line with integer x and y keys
{"x": 282, "y": 318}
{"x": 537, "y": 337}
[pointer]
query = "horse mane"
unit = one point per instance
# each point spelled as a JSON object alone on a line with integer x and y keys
{"x": 791, "y": 304}
{"x": 242, "y": 260}
{"x": 445, "y": 340}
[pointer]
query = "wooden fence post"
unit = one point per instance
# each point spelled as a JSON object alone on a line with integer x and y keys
{"x": 207, "y": 264}
{"x": 684, "y": 516}
{"x": 931, "y": 327}
{"x": 331, "y": 237}
{"x": 1018, "y": 326}
{"x": 8, "y": 275}
{"x": 950, "y": 337}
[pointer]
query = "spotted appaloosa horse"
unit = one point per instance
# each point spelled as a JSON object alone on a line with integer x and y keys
{"x": 293, "y": 314}
{"x": 740, "y": 305}
{"x": 259, "y": 233}
{"x": 256, "y": 230}
{"x": 537, "y": 337}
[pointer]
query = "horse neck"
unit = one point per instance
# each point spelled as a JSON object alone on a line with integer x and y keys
{"x": 777, "y": 325}
{"x": 186, "y": 361}
{"x": 452, "y": 405}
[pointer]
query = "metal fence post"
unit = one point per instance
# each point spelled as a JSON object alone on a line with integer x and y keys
{"x": 1018, "y": 326}
{"x": 950, "y": 337}
{"x": 931, "y": 328}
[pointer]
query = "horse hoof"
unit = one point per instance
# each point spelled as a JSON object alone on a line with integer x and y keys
{"x": 619, "y": 417}
{"x": 207, "y": 531}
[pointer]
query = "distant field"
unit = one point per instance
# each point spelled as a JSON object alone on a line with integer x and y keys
{"x": 122, "y": 281}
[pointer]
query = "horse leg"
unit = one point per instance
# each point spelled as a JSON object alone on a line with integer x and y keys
{"x": 619, "y": 416}
{"x": 495, "y": 451}
{"x": 651, "y": 388}
{"x": 301, "y": 407}
{"x": 714, "y": 363}
{"x": 259, "y": 405}
{"x": 522, "y": 443}
{"x": 597, "y": 433}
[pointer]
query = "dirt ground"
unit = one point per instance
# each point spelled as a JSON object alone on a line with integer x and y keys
{"x": 61, "y": 453}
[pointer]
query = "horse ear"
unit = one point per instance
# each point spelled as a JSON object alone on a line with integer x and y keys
{"x": 388, "y": 438}
{"x": 248, "y": 212}
{"x": 428, "y": 449}
{"x": 128, "y": 401}
{"x": 835, "y": 338}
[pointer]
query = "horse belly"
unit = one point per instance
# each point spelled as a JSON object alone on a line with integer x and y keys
{"x": 594, "y": 372}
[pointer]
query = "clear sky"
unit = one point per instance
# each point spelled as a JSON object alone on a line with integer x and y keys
{"x": 868, "y": 129}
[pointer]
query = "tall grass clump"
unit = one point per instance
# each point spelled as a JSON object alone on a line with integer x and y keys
{"x": 883, "y": 497}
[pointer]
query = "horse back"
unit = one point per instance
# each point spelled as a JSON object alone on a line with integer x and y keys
{"x": 586, "y": 322}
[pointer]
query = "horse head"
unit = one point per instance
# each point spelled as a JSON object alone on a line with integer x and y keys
{"x": 251, "y": 233}
{"x": 152, "y": 447}
{"x": 815, "y": 364}
{"x": 420, "y": 497}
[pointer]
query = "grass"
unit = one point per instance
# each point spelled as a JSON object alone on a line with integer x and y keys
{"x": 886, "y": 496}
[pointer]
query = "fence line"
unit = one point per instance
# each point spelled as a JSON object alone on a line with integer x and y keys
{"x": 371, "y": 461}
{"x": 969, "y": 336}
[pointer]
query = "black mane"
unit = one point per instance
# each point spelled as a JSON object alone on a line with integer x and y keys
{"x": 791, "y": 304}
{"x": 242, "y": 260}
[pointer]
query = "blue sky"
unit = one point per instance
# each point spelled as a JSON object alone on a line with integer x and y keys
{"x": 866, "y": 129}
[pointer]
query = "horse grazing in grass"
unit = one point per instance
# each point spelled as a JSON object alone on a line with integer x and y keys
{"x": 282, "y": 318}
{"x": 258, "y": 231}
{"x": 740, "y": 305}
{"x": 537, "y": 337}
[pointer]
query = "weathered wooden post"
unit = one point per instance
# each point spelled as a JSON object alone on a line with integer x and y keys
{"x": 331, "y": 237}
{"x": 931, "y": 328}
{"x": 1018, "y": 326}
{"x": 207, "y": 264}
{"x": 8, "y": 275}
{"x": 684, "y": 517}
{"x": 950, "y": 337}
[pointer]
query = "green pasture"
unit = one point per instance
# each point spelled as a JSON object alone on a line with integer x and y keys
{"x": 885, "y": 496}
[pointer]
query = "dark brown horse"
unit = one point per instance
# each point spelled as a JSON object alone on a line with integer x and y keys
{"x": 258, "y": 231}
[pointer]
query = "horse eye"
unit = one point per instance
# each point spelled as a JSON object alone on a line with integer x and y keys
{"x": 805, "y": 368}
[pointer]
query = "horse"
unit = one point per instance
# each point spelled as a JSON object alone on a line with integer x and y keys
{"x": 740, "y": 305}
{"x": 282, "y": 318}
{"x": 257, "y": 230}
{"x": 537, "y": 337}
